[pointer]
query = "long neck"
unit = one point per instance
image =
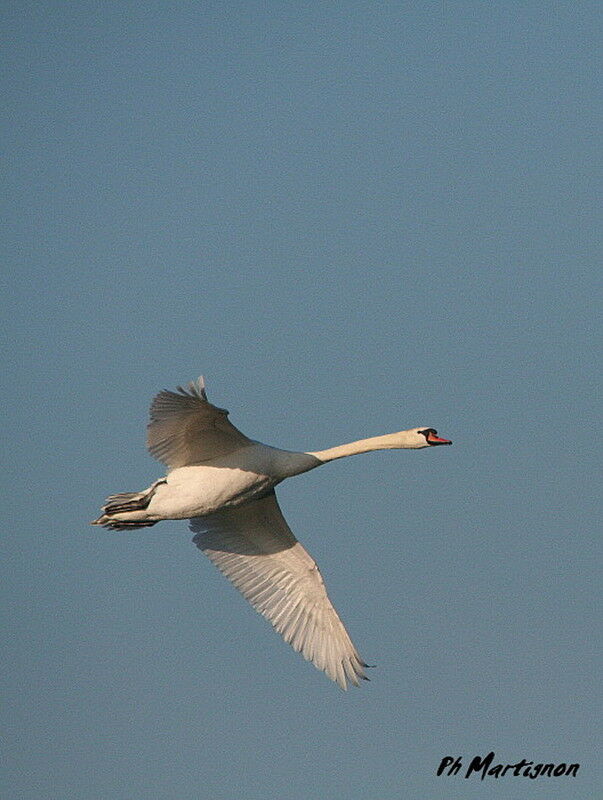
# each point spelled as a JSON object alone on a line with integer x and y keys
{"x": 389, "y": 441}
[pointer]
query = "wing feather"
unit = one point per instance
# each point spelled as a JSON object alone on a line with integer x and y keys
{"x": 185, "y": 428}
{"x": 253, "y": 546}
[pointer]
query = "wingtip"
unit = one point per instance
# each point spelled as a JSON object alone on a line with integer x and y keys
{"x": 198, "y": 387}
{"x": 193, "y": 389}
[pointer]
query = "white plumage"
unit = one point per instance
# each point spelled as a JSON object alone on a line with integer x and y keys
{"x": 253, "y": 546}
{"x": 224, "y": 483}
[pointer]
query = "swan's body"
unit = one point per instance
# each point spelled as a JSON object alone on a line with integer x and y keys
{"x": 224, "y": 483}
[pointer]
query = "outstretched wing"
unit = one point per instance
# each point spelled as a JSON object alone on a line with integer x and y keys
{"x": 253, "y": 546}
{"x": 185, "y": 428}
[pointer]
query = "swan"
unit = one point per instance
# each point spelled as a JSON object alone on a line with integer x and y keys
{"x": 223, "y": 483}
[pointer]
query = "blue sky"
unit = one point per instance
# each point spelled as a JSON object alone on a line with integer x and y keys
{"x": 351, "y": 220}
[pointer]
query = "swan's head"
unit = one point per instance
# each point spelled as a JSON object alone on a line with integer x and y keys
{"x": 421, "y": 437}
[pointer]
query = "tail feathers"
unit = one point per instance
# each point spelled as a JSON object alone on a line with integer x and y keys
{"x": 120, "y": 525}
{"x": 127, "y": 501}
{"x": 124, "y": 503}
{"x": 131, "y": 501}
{"x": 124, "y": 496}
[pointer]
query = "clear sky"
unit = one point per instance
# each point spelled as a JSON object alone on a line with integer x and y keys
{"x": 352, "y": 218}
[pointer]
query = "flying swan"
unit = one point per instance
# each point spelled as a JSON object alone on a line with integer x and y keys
{"x": 223, "y": 483}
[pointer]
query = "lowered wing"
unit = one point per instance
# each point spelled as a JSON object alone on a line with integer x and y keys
{"x": 253, "y": 546}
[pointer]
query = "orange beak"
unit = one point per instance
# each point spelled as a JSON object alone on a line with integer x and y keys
{"x": 433, "y": 439}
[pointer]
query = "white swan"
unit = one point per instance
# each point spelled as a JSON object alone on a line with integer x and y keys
{"x": 224, "y": 482}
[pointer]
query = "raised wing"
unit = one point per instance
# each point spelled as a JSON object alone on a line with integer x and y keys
{"x": 253, "y": 546}
{"x": 185, "y": 428}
